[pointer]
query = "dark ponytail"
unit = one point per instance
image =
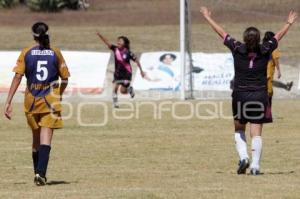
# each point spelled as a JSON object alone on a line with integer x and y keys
{"x": 126, "y": 41}
{"x": 252, "y": 38}
{"x": 40, "y": 34}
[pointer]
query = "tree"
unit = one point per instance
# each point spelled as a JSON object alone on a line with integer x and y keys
{"x": 6, "y": 3}
{"x": 47, "y": 5}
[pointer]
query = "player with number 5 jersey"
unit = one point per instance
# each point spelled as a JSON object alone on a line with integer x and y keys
{"x": 47, "y": 77}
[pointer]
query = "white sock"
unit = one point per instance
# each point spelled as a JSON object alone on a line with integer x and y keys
{"x": 256, "y": 151}
{"x": 115, "y": 98}
{"x": 241, "y": 144}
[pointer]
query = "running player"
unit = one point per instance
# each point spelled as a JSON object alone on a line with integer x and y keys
{"x": 250, "y": 96}
{"x": 42, "y": 66}
{"x": 123, "y": 69}
{"x": 274, "y": 63}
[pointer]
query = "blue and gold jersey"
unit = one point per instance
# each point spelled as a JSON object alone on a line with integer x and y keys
{"x": 42, "y": 69}
{"x": 271, "y": 70}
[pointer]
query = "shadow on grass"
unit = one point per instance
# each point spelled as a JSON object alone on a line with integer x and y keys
{"x": 264, "y": 173}
{"x": 19, "y": 183}
{"x": 276, "y": 173}
{"x": 51, "y": 183}
{"x": 60, "y": 182}
{"x": 279, "y": 173}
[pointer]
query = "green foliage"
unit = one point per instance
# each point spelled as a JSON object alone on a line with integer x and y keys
{"x": 46, "y": 5}
{"x": 73, "y": 4}
{"x": 52, "y": 5}
{"x": 6, "y": 3}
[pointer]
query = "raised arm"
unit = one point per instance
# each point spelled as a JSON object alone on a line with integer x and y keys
{"x": 104, "y": 40}
{"x": 291, "y": 19}
{"x": 216, "y": 27}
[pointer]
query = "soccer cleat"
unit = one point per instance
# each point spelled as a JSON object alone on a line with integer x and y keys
{"x": 131, "y": 92}
{"x": 243, "y": 166}
{"x": 116, "y": 105}
{"x": 289, "y": 86}
{"x": 254, "y": 172}
{"x": 39, "y": 180}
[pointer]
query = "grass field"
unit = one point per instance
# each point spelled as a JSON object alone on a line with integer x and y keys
{"x": 146, "y": 38}
{"x": 150, "y": 159}
{"x": 152, "y": 25}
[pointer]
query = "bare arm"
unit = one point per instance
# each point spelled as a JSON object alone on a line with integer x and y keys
{"x": 291, "y": 19}
{"x": 13, "y": 88}
{"x": 107, "y": 43}
{"x": 63, "y": 86}
{"x": 216, "y": 27}
{"x": 140, "y": 67}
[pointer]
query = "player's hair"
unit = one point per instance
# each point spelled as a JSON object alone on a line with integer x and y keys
{"x": 126, "y": 41}
{"x": 268, "y": 36}
{"x": 252, "y": 38}
{"x": 163, "y": 57}
{"x": 40, "y": 34}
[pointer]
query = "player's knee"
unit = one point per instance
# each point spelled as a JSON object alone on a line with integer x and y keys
{"x": 238, "y": 126}
{"x": 35, "y": 145}
{"x": 123, "y": 90}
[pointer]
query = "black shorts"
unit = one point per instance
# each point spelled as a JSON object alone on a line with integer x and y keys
{"x": 123, "y": 78}
{"x": 251, "y": 106}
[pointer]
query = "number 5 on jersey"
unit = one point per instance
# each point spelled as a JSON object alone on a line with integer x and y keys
{"x": 41, "y": 70}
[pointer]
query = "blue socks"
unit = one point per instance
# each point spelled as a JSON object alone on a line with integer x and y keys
{"x": 35, "y": 160}
{"x": 43, "y": 158}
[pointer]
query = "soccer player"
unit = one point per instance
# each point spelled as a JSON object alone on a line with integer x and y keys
{"x": 42, "y": 66}
{"x": 250, "y": 96}
{"x": 274, "y": 63}
{"x": 123, "y": 69}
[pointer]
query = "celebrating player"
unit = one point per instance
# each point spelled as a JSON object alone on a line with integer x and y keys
{"x": 42, "y": 65}
{"x": 250, "y": 96}
{"x": 123, "y": 69}
{"x": 274, "y": 63}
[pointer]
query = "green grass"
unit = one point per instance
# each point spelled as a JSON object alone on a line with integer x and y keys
{"x": 145, "y": 38}
{"x": 152, "y": 25}
{"x": 148, "y": 158}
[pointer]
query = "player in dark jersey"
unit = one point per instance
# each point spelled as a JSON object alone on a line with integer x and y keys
{"x": 43, "y": 66}
{"x": 123, "y": 69}
{"x": 250, "y": 96}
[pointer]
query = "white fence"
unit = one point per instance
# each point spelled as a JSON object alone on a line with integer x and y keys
{"x": 88, "y": 70}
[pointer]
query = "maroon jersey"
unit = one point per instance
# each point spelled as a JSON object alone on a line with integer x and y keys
{"x": 122, "y": 60}
{"x": 250, "y": 67}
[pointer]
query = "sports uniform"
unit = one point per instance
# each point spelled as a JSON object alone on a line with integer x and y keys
{"x": 123, "y": 69}
{"x": 271, "y": 70}
{"x": 42, "y": 68}
{"x": 250, "y": 98}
